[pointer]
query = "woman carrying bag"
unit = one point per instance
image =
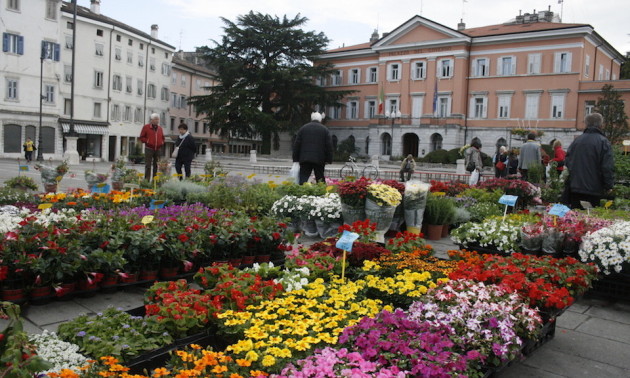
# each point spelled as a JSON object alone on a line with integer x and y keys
{"x": 185, "y": 150}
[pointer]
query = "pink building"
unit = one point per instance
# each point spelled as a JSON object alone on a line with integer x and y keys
{"x": 425, "y": 86}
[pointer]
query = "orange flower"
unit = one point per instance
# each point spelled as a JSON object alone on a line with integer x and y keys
{"x": 160, "y": 372}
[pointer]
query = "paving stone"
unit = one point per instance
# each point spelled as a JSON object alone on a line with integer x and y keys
{"x": 121, "y": 299}
{"x": 521, "y": 370}
{"x": 549, "y": 361}
{"x": 53, "y": 312}
{"x": 610, "y": 313}
{"x": 571, "y": 320}
{"x": 592, "y": 347}
{"x": 622, "y": 306}
{"x": 607, "y": 329}
{"x": 580, "y": 306}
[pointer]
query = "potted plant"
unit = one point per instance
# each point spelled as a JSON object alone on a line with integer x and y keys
{"x": 380, "y": 205}
{"x": 137, "y": 157}
{"x": 51, "y": 176}
{"x": 22, "y": 183}
{"x": 352, "y": 195}
{"x": 438, "y": 211}
{"x": 119, "y": 169}
{"x": 92, "y": 178}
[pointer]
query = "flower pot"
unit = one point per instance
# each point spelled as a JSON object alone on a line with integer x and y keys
{"x": 248, "y": 260}
{"x": 87, "y": 289}
{"x": 382, "y": 216}
{"x": 131, "y": 278}
{"x": 263, "y": 258}
{"x": 109, "y": 283}
{"x": 50, "y": 188}
{"x": 66, "y": 290}
{"x": 309, "y": 227}
{"x": 434, "y": 231}
{"x": 12, "y": 295}
{"x": 326, "y": 230}
{"x": 168, "y": 272}
{"x": 413, "y": 230}
{"x": 352, "y": 214}
{"x": 235, "y": 262}
{"x": 148, "y": 275}
{"x": 117, "y": 185}
{"x": 40, "y": 295}
{"x": 445, "y": 229}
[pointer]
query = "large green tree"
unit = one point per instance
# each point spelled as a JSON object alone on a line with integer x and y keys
{"x": 266, "y": 77}
{"x": 612, "y": 108}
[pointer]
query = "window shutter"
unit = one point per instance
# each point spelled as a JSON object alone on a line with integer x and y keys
{"x": 485, "y": 108}
{"x": 557, "y": 63}
{"x": 499, "y": 66}
{"x": 5, "y": 42}
{"x": 513, "y": 66}
{"x": 20, "y": 45}
{"x": 56, "y": 53}
{"x": 569, "y": 62}
{"x": 472, "y": 107}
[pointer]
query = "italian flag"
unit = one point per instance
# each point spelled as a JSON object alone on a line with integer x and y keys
{"x": 381, "y": 101}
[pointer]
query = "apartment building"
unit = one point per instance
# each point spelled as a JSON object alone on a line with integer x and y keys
{"x": 31, "y": 55}
{"x": 187, "y": 80}
{"x": 122, "y": 76}
{"x": 426, "y": 86}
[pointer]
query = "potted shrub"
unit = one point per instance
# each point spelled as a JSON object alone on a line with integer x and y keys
{"x": 22, "y": 183}
{"x": 438, "y": 212}
{"x": 51, "y": 176}
{"x": 137, "y": 157}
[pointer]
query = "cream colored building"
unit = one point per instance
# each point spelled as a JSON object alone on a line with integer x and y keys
{"x": 440, "y": 87}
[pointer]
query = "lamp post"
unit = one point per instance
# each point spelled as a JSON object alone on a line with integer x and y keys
{"x": 43, "y": 54}
{"x": 392, "y": 116}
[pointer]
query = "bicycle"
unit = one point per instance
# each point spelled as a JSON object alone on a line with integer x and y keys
{"x": 350, "y": 167}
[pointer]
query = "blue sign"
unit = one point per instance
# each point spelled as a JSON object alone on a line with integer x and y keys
{"x": 508, "y": 200}
{"x": 346, "y": 240}
{"x": 559, "y": 210}
{"x": 101, "y": 188}
{"x": 157, "y": 204}
{"x": 22, "y": 168}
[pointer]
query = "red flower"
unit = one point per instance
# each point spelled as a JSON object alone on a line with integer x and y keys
{"x": 183, "y": 238}
{"x": 137, "y": 227}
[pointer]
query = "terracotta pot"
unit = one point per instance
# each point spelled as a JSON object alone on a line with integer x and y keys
{"x": 131, "y": 278}
{"x": 85, "y": 285}
{"x": 445, "y": 231}
{"x": 235, "y": 262}
{"x": 66, "y": 290}
{"x": 248, "y": 260}
{"x": 39, "y": 294}
{"x": 117, "y": 185}
{"x": 50, "y": 188}
{"x": 434, "y": 231}
{"x": 263, "y": 258}
{"x": 12, "y": 295}
{"x": 167, "y": 272}
{"x": 148, "y": 275}
{"x": 109, "y": 281}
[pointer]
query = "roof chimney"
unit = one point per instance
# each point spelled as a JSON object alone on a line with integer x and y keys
{"x": 154, "y": 31}
{"x": 461, "y": 26}
{"x": 374, "y": 36}
{"x": 95, "y": 6}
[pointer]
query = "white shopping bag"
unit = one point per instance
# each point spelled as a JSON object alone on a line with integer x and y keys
{"x": 474, "y": 178}
{"x": 294, "y": 173}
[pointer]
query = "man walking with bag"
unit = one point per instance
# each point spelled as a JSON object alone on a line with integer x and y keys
{"x": 313, "y": 149}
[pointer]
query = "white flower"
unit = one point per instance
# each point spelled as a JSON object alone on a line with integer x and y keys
{"x": 608, "y": 247}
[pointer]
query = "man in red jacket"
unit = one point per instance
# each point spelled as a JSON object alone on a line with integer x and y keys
{"x": 152, "y": 136}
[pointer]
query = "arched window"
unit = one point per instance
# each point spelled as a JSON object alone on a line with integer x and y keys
{"x": 386, "y": 143}
{"x": 48, "y": 138}
{"x": 12, "y": 138}
{"x": 436, "y": 142}
{"x": 30, "y": 132}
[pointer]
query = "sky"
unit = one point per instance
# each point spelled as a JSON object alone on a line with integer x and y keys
{"x": 187, "y": 24}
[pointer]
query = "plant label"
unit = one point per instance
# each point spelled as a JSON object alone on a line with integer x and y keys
{"x": 346, "y": 240}
{"x": 559, "y": 210}
{"x": 508, "y": 200}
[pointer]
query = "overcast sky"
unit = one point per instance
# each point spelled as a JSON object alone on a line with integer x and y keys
{"x": 187, "y": 24}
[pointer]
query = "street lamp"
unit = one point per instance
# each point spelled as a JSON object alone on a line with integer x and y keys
{"x": 392, "y": 116}
{"x": 43, "y": 55}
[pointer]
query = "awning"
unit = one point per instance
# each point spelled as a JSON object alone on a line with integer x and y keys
{"x": 81, "y": 128}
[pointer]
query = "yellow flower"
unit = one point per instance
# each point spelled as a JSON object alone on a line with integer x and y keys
{"x": 268, "y": 361}
{"x": 251, "y": 356}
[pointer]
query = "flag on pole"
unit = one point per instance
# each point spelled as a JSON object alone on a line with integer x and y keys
{"x": 435, "y": 96}
{"x": 381, "y": 100}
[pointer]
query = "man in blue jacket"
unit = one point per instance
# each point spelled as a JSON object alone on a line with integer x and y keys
{"x": 591, "y": 164}
{"x": 313, "y": 149}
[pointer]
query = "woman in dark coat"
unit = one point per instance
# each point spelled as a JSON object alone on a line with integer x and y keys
{"x": 187, "y": 149}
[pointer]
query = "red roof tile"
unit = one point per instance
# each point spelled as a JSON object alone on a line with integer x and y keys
{"x": 516, "y": 28}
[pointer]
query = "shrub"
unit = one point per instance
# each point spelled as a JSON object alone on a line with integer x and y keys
{"x": 178, "y": 191}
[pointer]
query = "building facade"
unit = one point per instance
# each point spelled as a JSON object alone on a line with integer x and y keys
{"x": 425, "y": 86}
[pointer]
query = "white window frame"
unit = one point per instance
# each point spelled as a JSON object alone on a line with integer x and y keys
{"x": 445, "y": 68}
{"x": 15, "y": 41}
{"x": 479, "y": 107}
{"x": 140, "y": 89}
{"x": 444, "y": 106}
{"x": 532, "y": 108}
{"x": 137, "y": 116}
{"x": 354, "y": 76}
{"x": 140, "y": 60}
{"x": 417, "y": 104}
{"x": 117, "y": 82}
{"x": 336, "y": 78}
{"x": 51, "y": 9}
{"x": 13, "y": 5}
{"x": 504, "y": 105}
{"x": 69, "y": 44}
{"x": 164, "y": 93}
{"x": 557, "y": 105}
{"x": 98, "y": 49}
{"x": 607, "y": 77}
{"x": 370, "y": 108}
{"x": 183, "y": 80}
{"x": 335, "y": 111}
{"x": 151, "y": 90}
{"x": 587, "y": 65}
{"x": 118, "y": 53}
{"x": 502, "y": 63}
{"x": 481, "y": 67}
{"x": 600, "y": 75}
{"x": 127, "y": 114}
{"x": 589, "y": 107}
{"x": 352, "y": 109}
{"x": 128, "y": 84}
{"x": 49, "y": 94}
{"x": 13, "y": 89}
{"x": 392, "y": 105}
{"x": 99, "y": 79}
{"x": 152, "y": 66}
{"x": 371, "y": 75}
{"x": 419, "y": 69}
{"x": 174, "y": 78}
{"x": 129, "y": 57}
{"x": 562, "y": 62}
{"x": 166, "y": 69}
{"x": 115, "y": 112}
{"x": 51, "y": 50}
{"x": 97, "y": 110}
{"x": 67, "y": 74}
{"x": 394, "y": 71}
{"x": 534, "y": 63}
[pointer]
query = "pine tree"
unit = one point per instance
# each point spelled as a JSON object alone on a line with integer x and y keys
{"x": 611, "y": 107}
{"x": 266, "y": 77}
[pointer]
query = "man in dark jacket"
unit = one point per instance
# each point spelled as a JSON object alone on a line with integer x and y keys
{"x": 152, "y": 136}
{"x": 591, "y": 163}
{"x": 313, "y": 149}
